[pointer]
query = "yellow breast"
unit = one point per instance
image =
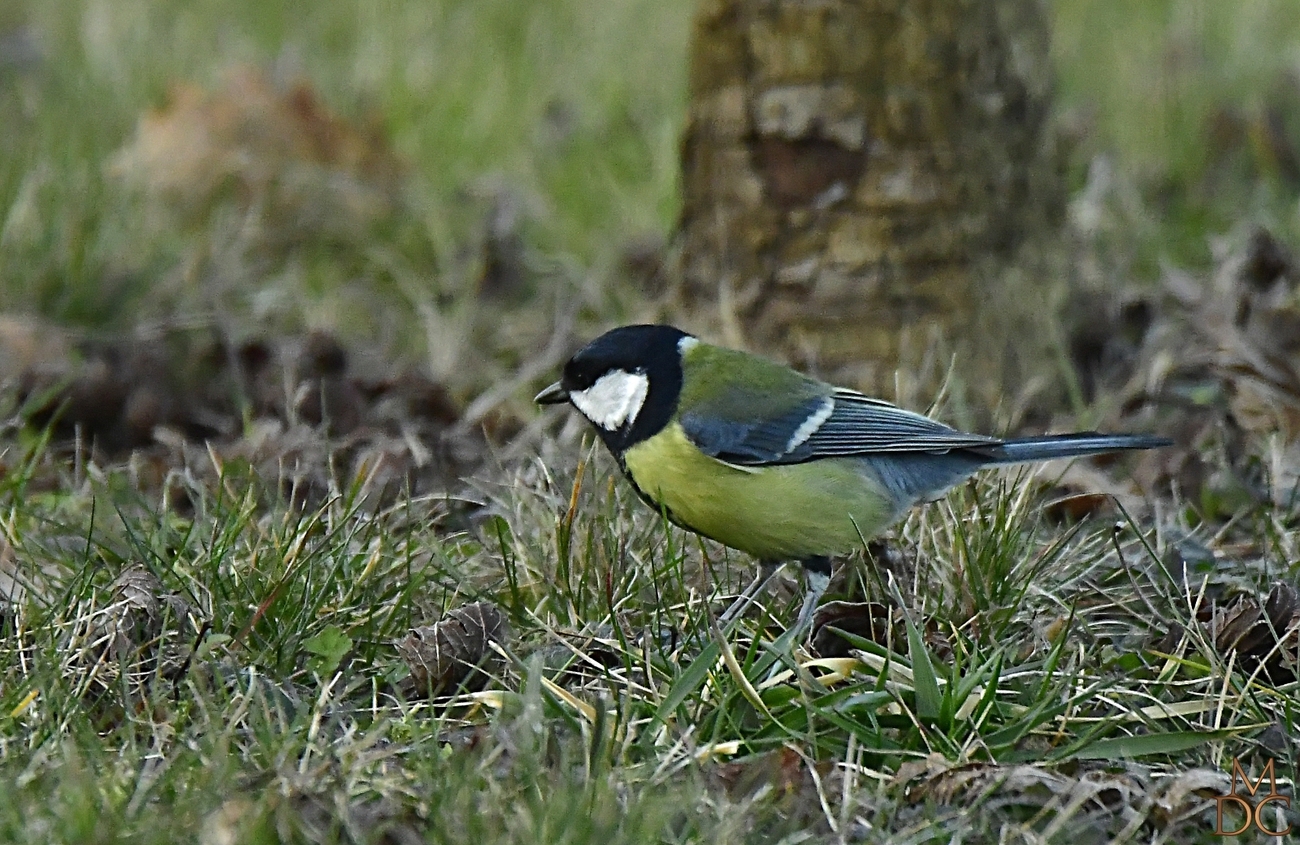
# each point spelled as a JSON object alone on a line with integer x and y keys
{"x": 775, "y": 513}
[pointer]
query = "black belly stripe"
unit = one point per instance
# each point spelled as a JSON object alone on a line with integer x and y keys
{"x": 819, "y": 564}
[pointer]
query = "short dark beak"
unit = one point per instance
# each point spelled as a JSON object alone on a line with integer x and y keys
{"x": 552, "y": 395}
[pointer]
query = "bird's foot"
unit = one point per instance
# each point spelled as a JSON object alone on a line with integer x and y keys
{"x": 767, "y": 572}
{"x": 816, "y": 582}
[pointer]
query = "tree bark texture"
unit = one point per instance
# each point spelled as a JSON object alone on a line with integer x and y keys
{"x": 852, "y": 170}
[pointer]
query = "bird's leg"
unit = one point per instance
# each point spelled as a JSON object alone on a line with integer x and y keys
{"x": 766, "y": 572}
{"x": 817, "y": 577}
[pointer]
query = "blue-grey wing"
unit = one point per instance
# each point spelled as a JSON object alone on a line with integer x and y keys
{"x": 841, "y": 424}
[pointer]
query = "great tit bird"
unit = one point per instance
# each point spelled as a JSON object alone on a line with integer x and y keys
{"x": 770, "y": 461}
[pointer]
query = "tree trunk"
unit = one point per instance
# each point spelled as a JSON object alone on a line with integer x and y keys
{"x": 856, "y": 171}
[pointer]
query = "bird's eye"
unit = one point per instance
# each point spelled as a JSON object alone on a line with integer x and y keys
{"x": 576, "y": 379}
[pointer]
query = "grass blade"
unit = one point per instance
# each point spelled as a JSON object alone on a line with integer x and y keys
{"x": 1128, "y": 747}
{"x": 929, "y": 701}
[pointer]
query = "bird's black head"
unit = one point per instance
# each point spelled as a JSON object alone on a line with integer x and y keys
{"x": 626, "y": 382}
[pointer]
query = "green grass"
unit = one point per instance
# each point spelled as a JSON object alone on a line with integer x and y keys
{"x": 1018, "y": 696}
{"x": 271, "y": 704}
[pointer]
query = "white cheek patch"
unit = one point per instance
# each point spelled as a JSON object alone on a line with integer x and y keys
{"x": 614, "y": 400}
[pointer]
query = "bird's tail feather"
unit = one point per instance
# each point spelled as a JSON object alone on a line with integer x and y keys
{"x": 1052, "y": 446}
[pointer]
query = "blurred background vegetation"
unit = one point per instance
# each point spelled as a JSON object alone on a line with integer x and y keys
{"x": 445, "y": 182}
{"x": 1197, "y": 107}
{"x": 551, "y": 127}
{"x": 565, "y": 112}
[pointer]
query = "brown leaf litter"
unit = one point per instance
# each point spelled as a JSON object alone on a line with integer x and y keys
{"x": 302, "y": 409}
{"x": 1082, "y": 798}
{"x": 1261, "y": 633}
{"x": 791, "y": 785}
{"x": 1213, "y": 363}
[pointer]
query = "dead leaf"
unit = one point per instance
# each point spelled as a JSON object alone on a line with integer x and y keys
{"x": 1265, "y": 634}
{"x": 27, "y": 342}
{"x": 266, "y": 147}
{"x": 872, "y": 621}
{"x": 1079, "y": 506}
